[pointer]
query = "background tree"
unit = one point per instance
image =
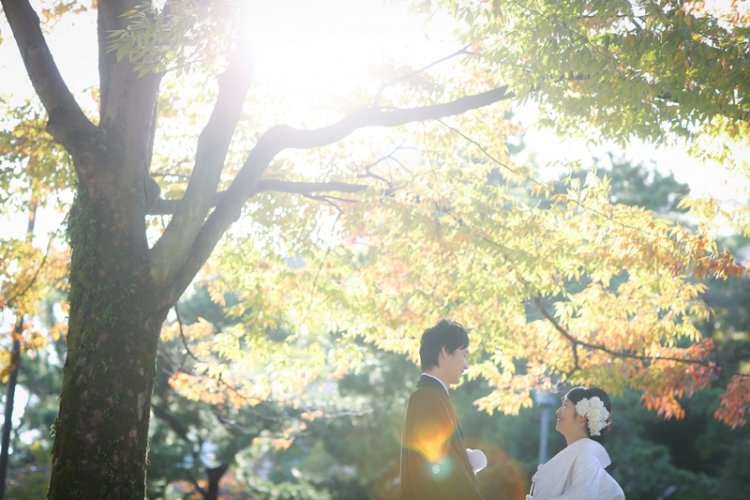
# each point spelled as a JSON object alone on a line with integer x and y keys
{"x": 200, "y": 428}
{"x": 655, "y": 70}
{"x": 650, "y": 65}
{"x": 39, "y": 379}
{"x": 34, "y": 171}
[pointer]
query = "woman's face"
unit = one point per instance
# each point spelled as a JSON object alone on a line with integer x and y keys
{"x": 569, "y": 423}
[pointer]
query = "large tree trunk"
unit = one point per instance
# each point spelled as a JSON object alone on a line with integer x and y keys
{"x": 115, "y": 318}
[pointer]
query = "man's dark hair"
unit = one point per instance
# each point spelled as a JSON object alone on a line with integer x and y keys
{"x": 445, "y": 334}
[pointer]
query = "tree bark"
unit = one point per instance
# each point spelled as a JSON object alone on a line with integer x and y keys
{"x": 15, "y": 360}
{"x": 214, "y": 478}
{"x": 102, "y": 426}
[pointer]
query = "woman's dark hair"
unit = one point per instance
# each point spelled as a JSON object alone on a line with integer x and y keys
{"x": 445, "y": 334}
{"x": 576, "y": 394}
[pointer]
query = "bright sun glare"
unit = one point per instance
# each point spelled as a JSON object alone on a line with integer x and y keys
{"x": 326, "y": 48}
{"x": 318, "y": 52}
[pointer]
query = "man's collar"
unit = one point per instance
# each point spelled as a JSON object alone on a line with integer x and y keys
{"x": 425, "y": 374}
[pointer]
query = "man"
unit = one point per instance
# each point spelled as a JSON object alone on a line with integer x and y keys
{"x": 434, "y": 461}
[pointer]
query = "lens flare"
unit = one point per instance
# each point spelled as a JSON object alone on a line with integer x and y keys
{"x": 430, "y": 439}
{"x": 440, "y": 470}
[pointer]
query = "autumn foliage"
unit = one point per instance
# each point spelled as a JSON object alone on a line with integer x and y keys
{"x": 361, "y": 221}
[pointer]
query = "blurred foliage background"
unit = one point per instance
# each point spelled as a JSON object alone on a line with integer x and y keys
{"x": 344, "y": 442}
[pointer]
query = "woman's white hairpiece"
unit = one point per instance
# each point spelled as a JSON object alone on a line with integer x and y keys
{"x": 595, "y": 412}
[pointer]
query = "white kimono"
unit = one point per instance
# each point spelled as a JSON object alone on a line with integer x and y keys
{"x": 576, "y": 473}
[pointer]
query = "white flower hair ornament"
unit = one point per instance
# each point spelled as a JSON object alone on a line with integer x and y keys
{"x": 595, "y": 412}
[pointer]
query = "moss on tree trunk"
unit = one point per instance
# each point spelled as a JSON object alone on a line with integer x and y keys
{"x": 102, "y": 426}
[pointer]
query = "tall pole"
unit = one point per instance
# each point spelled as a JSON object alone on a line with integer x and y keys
{"x": 545, "y": 400}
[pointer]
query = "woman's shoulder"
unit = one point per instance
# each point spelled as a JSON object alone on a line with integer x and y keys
{"x": 592, "y": 449}
{"x": 587, "y": 444}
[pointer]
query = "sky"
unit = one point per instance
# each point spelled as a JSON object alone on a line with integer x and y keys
{"x": 704, "y": 178}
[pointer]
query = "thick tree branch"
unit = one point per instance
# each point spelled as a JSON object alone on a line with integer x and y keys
{"x": 67, "y": 123}
{"x": 283, "y": 137}
{"x": 164, "y": 206}
{"x": 376, "y": 117}
{"x": 213, "y": 143}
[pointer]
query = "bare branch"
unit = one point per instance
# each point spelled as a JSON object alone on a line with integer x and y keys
{"x": 166, "y": 416}
{"x": 617, "y": 354}
{"x": 486, "y": 153}
{"x": 182, "y": 337}
{"x": 460, "y": 52}
{"x": 166, "y": 207}
{"x": 320, "y": 268}
{"x": 389, "y": 156}
{"x": 10, "y": 301}
{"x": 330, "y": 200}
{"x": 67, "y": 123}
{"x": 307, "y": 187}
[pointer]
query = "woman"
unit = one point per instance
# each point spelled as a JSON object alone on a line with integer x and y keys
{"x": 577, "y": 472}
